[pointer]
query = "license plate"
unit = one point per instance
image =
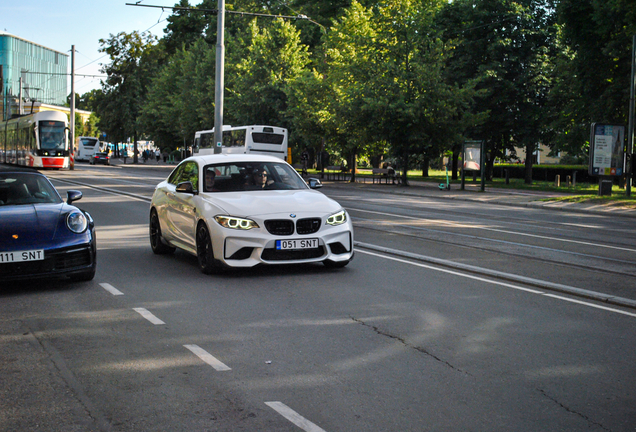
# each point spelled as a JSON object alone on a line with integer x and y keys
{"x": 19, "y": 256}
{"x": 297, "y": 244}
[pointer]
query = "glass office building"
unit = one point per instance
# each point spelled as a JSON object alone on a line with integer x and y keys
{"x": 43, "y": 71}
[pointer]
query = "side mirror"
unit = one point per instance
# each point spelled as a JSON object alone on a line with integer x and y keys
{"x": 185, "y": 187}
{"x": 314, "y": 183}
{"x": 72, "y": 196}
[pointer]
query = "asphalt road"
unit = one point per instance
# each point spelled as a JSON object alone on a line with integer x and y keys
{"x": 408, "y": 337}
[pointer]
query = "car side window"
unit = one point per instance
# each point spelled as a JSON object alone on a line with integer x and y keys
{"x": 176, "y": 175}
{"x": 190, "y": 173}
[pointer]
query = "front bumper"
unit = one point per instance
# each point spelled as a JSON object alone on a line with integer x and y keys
{"x": 248, "y": 249}
{"x": 57, "y": 262}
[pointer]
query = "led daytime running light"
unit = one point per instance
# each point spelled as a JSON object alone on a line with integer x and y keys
{"x": 337, "y": 218}
{"x": 235, "y": 223}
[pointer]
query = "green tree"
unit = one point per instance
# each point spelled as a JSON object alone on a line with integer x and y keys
{"x": 124, "y": 90}
{"x": 347, "y": 47}
{"x": 180, "y": 99}
{"x": 385, "y": 72}
{"x": 506, "y": 47}
{"x": 593, "y": 68}
{"x": 259, "y": 81}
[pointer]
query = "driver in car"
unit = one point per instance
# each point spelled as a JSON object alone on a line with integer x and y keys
{"x": 259, "y": 179}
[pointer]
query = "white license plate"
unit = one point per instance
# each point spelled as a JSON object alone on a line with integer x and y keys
{"x": 19, "y": 256}
{"x": 297, "y": 244}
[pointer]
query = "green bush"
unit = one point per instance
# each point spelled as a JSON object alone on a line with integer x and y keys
{"x": 545, "y": 172}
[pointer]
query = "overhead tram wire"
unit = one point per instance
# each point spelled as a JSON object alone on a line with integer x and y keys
{"x": 216, "y": 11}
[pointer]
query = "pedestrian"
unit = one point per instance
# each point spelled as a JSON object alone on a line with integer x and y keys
{"x": 158, "y": 154}
{"x": 304, "y": 157}
{"x": 165, "y": 156}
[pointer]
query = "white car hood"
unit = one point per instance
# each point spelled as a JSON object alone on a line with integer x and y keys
{"x": 263, "y": 203}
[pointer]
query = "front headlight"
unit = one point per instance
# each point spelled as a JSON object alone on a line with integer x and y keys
{"x": 337, "y": 218}
{"x": 77, "y": 222}
{"x": 235, "y": 222}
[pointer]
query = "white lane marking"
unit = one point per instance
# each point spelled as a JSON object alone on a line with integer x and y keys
{"x": 208, "y": 358}
{"x": 149, "y": 316}
{"x": 590, "y": 304}
{"x": 490, "y": 281}
{"x": 111, "y": 289}
{"x": 466, "y": 225}
{"x": 294, "y": 417}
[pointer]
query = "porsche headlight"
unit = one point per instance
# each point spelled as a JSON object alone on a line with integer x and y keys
{"x": 337, "y": 218}
{"x": 76, "y": 222}
{"x": 235, "y": 222}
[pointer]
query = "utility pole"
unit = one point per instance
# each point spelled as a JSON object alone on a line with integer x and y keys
{"x": 20, "y": 98}
{"x": 630, "y": 128}
{"x": 219, "y": 78}
{"x": 71, "y": 145}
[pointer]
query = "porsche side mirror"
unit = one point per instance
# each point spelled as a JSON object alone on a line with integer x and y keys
{"x": 72, "y": 196}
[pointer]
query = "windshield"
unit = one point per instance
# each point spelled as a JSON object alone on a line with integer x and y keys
{"x": 250, "y": 176}
{"x": 18, "y": 188}
{"x": 52, "y": 135}
{"x": 88, "y": 142}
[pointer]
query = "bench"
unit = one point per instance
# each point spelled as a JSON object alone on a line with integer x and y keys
{"x": 385, "y": 174}
{"x": 335, "y": 173}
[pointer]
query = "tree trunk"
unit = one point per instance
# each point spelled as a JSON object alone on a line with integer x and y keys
{"x": 455, "y": 166}
{"x": 352, "y": 165}
{"x": 425, "y": 166}
{"x": 135, "y": 158}
{"x": 405, "y": 167}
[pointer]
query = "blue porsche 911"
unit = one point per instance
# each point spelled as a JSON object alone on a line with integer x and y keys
{"x": 41, "y": 235}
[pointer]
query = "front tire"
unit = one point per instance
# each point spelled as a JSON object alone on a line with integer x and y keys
{"x": 205, "y": 254}
{"x": 156, "y": 242}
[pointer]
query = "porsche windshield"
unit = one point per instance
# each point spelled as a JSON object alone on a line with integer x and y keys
{"x": 250, "y": 176}
{"x": 16, "y": 189}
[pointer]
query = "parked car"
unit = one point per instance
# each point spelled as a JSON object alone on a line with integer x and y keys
{"x": 246, "y": 210}
{"x": 99, "y": 157}
{"x": 40, "y": 234}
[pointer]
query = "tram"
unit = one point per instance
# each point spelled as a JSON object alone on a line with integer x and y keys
{"x": 39, "y": 140}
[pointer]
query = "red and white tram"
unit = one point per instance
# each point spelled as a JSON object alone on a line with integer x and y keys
{"x": 39, "y": 140}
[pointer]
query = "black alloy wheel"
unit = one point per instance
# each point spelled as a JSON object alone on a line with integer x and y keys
{"x": 205, "y": 254}
{"x": 157, "y": 245}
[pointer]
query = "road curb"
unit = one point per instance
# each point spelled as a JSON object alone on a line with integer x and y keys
{"x": 578, "y": 292}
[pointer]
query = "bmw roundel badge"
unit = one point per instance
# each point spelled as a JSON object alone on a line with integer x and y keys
{"x": 292, "y": 215}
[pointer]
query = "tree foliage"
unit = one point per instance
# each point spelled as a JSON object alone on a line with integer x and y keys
{"x": 402, "y": 79}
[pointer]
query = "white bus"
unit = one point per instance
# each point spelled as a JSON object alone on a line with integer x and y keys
{"x": 264, "y": 140}
{"x": 86, "y": 148}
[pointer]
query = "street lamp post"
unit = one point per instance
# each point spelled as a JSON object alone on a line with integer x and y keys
{"x": 630, "y": 128}
{"x": 219, "y": 78}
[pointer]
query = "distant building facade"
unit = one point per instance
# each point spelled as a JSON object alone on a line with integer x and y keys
{"x": 30, "y": 72}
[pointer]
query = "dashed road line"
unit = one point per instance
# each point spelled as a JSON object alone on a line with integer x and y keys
{"x": 149, "y": 316}
{"x": 294, "y": 417}
{"x": 208, "y": 358}
{"x": 111, "y": 289}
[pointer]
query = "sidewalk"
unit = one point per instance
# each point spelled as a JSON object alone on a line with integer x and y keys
{"x": 508, "y": 197}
